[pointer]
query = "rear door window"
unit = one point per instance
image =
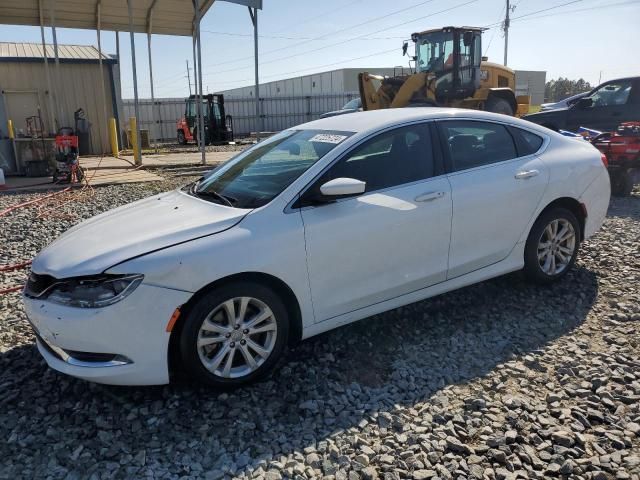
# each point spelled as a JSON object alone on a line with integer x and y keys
{"x": 528, "y": 143}
{"x": 473, "y": 144}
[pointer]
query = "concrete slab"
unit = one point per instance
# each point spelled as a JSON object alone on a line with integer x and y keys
{"x": 120, "y": 176}
{"x": 109, "y": 170}
{"x": 97, "y": 178}
{"x": 156, "y": 161}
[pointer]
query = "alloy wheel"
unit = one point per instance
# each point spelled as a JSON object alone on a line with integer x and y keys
{"x": 556, "y": 246}
{"x": 237, "y": 337}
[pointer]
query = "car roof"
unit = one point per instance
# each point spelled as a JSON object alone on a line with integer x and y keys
{"x": 374, "y": 120}
{"x": 635, "y": 77}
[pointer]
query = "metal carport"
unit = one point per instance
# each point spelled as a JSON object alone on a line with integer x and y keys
{"x": 168, "y": 17}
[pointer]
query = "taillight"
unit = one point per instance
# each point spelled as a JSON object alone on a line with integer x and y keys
{"x": 603, "y": 157}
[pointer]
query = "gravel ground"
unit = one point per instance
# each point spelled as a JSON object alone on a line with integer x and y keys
{"x": 501, "y": 380}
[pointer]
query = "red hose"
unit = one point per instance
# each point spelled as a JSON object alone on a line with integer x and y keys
{"x": 20, "y": 205}
{"x": 11, "y": 289}
{"x": 17, "y": 266}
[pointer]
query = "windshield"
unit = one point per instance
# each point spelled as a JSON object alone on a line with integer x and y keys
{"x": 256, "y": 176}
{"x": 352, "y": 104}
{"x": 435, "y": 52}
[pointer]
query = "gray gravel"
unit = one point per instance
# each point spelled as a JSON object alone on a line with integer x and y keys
{"x": 501, "y": 380}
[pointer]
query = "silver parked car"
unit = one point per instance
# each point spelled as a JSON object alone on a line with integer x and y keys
{"x": 351, "y": 106}
{"x": 566, "y": 103}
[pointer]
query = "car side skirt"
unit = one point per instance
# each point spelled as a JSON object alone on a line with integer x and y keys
{"x": 514, "y": 262}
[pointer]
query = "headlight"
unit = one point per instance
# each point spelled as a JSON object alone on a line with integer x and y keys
{"x": 93, "y": 292}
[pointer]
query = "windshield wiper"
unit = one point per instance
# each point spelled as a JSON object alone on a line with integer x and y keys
{"x": 212, "y": 194}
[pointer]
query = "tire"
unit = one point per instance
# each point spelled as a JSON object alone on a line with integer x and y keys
{"x": 551, "y": 266}
{"x": 498, "y": 105}
{"x": 182, "y": 140}
{"x": 621, "y": 183}
{"x": 208, "y": 362}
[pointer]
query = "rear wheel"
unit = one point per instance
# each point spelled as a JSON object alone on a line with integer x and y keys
{"x": 181, "y": 138}
{"x": 234, "y": 335}
{"x": 498, "y": 105}
{"x": 552, "y": 246}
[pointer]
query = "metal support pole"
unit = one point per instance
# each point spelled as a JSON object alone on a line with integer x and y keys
{"x": 119, "y": 83}
{"x": 105, "y": 116}
{"x": 507, "y": 22}
{"x": 153, "y": 98}
{"x": 200, "y": 113}
{"x": 195, "y": 87}
{"x": 60, "y": 100}
{"x": 53, "y": 121}
{"x": 259, "y": 120}
{"x": 188, "y": 77}
{"x": 137, "y": 154}
{"x": 119, "y": 59}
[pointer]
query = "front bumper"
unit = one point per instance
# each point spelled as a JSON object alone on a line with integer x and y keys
{"x": 130, "y": 334}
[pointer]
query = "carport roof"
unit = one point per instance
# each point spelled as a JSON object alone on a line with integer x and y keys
{"x": 30, "y": 51}
{"x": 170, "y": 17}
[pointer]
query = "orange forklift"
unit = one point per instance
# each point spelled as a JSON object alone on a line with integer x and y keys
{"x": 218, "y": 126}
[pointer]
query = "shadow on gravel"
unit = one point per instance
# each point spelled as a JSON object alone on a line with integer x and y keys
{"x": 327, "y": 384}
{"x": 625, "y": 207}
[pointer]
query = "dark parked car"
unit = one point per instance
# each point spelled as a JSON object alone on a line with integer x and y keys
{"x": 351, "y": 106}
{"x": 604, "y": 108}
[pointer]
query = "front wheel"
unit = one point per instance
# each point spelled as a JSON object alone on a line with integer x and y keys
{"x": 552, "y": 246}
{"x": 498, "y": 105}
{"x": 234, "y": 335}
{"x": 182, "y": 140}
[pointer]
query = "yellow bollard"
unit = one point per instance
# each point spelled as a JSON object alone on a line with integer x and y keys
{"x": 12, "y": 134}
{"x": 113, "y": 137}
{"x": 133, "y": 126}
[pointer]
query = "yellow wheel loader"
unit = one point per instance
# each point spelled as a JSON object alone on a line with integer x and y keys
{"x": 449, "y": 72}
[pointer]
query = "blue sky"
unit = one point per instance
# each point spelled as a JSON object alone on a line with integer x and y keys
{"x": 584, "y": 38}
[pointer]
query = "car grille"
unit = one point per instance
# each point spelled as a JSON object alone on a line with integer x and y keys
{"x": 37, "y": 284}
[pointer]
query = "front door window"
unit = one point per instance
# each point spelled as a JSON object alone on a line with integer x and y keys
{"x": 612, "y": 94}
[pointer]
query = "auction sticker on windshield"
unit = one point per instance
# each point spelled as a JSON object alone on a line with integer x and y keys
{"x": 327, "y": 138}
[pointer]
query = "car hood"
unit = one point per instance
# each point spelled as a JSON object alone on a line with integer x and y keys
{"x": 132, "y": 230}
{"x": 557, "y": 114}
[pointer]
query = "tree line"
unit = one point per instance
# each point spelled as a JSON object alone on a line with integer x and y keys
{"x": 556, "y": 90}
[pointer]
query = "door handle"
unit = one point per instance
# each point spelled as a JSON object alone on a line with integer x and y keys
{"x": 526, "y": 174}
{"x": 429, "y": 196}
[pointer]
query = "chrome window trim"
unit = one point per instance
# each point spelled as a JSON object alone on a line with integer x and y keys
{"x": 546, "y": 140}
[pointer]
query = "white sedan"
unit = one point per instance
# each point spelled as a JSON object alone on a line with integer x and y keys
{"x": 320, "y": 225}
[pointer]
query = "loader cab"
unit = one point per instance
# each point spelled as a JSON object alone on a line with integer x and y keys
{"x": 451, "y": 56}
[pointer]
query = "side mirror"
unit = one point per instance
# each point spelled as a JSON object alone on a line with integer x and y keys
{"x": 584, "y": 103}
{"x": 405, "y": 47}
{"x": 342, "y": 187}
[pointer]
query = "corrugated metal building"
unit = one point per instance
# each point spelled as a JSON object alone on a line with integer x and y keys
{"x": 345, "y": 80}
{"x": 75, "y": 84}
{"x": 531, "y": 83}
